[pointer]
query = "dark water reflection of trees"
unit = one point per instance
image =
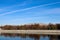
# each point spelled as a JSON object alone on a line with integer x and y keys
{"x": 33, "y": 36}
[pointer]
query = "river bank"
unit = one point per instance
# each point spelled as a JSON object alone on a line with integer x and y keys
{"x": 49, "y": 32}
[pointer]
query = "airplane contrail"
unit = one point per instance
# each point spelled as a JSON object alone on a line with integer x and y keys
{"x": 27, "y": 8}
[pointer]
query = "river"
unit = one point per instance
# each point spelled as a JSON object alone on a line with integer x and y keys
{"x": 14, "y": 36}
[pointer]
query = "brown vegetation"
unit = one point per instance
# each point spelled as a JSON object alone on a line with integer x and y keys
{"x": 32, "y": 27}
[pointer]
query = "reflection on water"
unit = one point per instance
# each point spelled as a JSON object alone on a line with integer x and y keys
{"x": 9, "y": 36}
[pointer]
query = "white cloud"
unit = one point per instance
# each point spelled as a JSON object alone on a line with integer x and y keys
{"x": 3, "y": 9}
{"x": 51, "y": 11}
{"x": 27, "y": 8}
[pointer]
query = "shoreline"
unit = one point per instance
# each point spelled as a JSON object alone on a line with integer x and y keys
{"x": 47, "y": 32}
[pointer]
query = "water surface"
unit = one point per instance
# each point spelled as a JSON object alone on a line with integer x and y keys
{"x": 9, "y": 36}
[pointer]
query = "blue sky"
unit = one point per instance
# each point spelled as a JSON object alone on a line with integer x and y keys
{"x": 17, "y": 12}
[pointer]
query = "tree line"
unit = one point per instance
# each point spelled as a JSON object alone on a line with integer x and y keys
{"x": 32, "y": 27}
